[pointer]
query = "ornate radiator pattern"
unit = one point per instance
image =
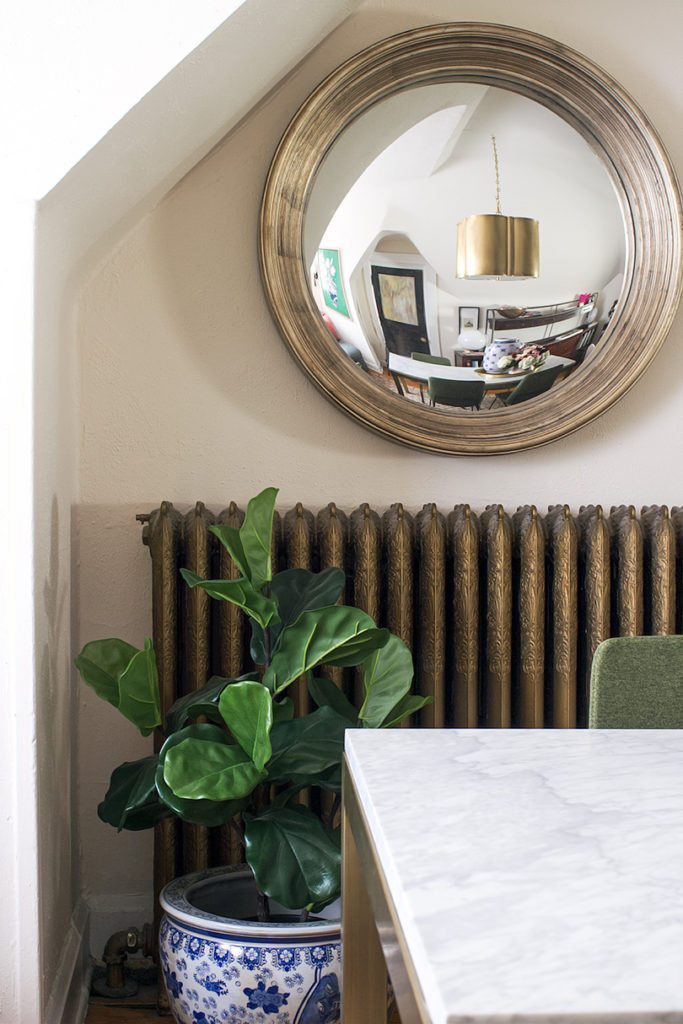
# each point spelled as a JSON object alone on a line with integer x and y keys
{"x": 503, "y": 612}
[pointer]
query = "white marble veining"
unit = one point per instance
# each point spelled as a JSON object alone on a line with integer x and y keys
{"x": 537, "y": 874}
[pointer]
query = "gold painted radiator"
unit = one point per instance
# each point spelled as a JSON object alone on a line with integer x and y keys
{"x": 503, "y": 612}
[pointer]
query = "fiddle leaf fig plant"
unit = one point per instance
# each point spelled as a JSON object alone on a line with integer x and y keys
{"x": 234, "y": 751}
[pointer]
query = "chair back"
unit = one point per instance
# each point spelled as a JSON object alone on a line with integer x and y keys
{"x": 637, "y": 683}
{"x": 535, "y": 383}
{"x": 422, "y": 357}
{"x": 460, "y": 393}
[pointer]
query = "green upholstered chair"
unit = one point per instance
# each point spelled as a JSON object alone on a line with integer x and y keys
{"x": 637, "y": 683}
{"x": 423, "y": 357}
{"x": 534, "y": 384}
{"x": 459, "y": 393}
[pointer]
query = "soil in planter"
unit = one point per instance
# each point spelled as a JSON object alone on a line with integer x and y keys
{"x": 237, "y": 901}
{"x": 285, "y": 919}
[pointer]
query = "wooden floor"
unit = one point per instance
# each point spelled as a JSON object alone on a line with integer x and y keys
{"x": 130, "y": 1015}
{"x": 138, "y": 1011}
{"x": 107, "y": 1014}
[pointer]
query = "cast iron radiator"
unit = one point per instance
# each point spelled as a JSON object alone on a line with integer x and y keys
{"x": 503, "y": 612}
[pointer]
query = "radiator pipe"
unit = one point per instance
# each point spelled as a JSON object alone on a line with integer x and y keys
{"x": 115, "y": 984}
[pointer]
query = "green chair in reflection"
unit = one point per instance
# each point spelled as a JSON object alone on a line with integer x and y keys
{"x": 637, "y": 683}
{"x": 465, "y": 394}
{"x": 424, "y": 357}
{"x": 534, "y": 384}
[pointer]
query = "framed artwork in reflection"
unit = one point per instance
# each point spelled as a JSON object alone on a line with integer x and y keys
{"x": 329, "y": 268}
{"x": 399, "y": 299}
{"x": 468, "y": 318}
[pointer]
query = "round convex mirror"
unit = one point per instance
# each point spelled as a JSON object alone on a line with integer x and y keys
{"x": 460, "y": 254}
{"x": 392, "y": 200}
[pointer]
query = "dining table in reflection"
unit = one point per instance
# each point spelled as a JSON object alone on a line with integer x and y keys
{"x": 404, "y": 369}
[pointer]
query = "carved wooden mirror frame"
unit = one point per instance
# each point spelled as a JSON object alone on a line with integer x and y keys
{"x": 584, "y": 96}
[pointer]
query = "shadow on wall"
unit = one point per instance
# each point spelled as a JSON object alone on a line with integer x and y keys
{"x": 54, "y": 721}
{"x": 113, "y": 599}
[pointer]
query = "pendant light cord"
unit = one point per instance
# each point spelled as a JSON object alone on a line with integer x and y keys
{"x": 497, "y": 167}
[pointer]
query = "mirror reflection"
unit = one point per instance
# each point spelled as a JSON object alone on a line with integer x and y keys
{"x": 465, "y": 247}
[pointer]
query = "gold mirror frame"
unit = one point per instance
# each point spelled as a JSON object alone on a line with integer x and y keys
{"x": 598, "y": 108}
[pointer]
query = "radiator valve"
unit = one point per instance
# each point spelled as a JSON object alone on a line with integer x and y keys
{"x": 115, "y": 984}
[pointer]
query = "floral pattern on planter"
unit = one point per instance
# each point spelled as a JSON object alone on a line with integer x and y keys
{"x": 225, "y": 979}
{"x": 268, "y": 999}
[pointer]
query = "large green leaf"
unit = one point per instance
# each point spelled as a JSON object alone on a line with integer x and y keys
{"x": 334, "y": 636}
{"x": 295, "y": 591}
{"x": 139, "y": 691}
{"x": 298, "y": 590}
{"x": 327, "y": 694}
{"x": 406, "y": 707}
{"x": 201, "y": 769}
{"x": 131, "y": 801}
{"x": 232, "y": 542}
{"x": 330, "y": 779}
{"x": 197, "y": 812}
{"x": 247, "y": 710}
{"x": 293, "y": 858}
{"x": 203, "y": 701}
{"x": 239, "y": 592}
{"x": 100, "y": 664}
{"x": 257, "y": 643}
{"x": 256, "y": 534}
{"x": 124, "y": 676}
{"x": 387, "y": 675}
{"x": 307, "y": 745}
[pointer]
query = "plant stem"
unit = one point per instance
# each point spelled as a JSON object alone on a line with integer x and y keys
{"x": 267, "y": 638}
{"x": 261, "y": 796}
{"x": 262, "y": 906}
{"x": 303, "y": 916}
{"x": 333, "y": 810}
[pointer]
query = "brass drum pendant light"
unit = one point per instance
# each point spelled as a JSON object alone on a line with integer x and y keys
{"x": 491, "y": 245}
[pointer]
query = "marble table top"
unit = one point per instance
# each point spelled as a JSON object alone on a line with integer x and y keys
{"x": 537, "y": 874}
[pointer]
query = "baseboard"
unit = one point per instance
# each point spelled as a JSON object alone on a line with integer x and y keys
{"x": 68, "y": 1000}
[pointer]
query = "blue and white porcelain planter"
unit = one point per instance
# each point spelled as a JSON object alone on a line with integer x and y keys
{"x": 495, "y": 350}
{"x": 222, "y": 968}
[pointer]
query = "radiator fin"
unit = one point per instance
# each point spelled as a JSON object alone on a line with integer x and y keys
{"x": 463, "y": 615}
{"x": 430, "y": 668}
{"x": 299, "y": 531}
{"x": 529, "y": 571}
{"x": 595, "y": 597}
{"x": 366, "y": 552}
{"x": 497, "y": 547}
{"x": 196, "y": 555}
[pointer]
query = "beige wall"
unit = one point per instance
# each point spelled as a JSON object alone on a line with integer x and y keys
{"x": 188, "y": 392}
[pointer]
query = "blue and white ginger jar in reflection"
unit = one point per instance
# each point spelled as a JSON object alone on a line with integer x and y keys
{"x": 495, "y": 350}
{"x": 227, "y": 970}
